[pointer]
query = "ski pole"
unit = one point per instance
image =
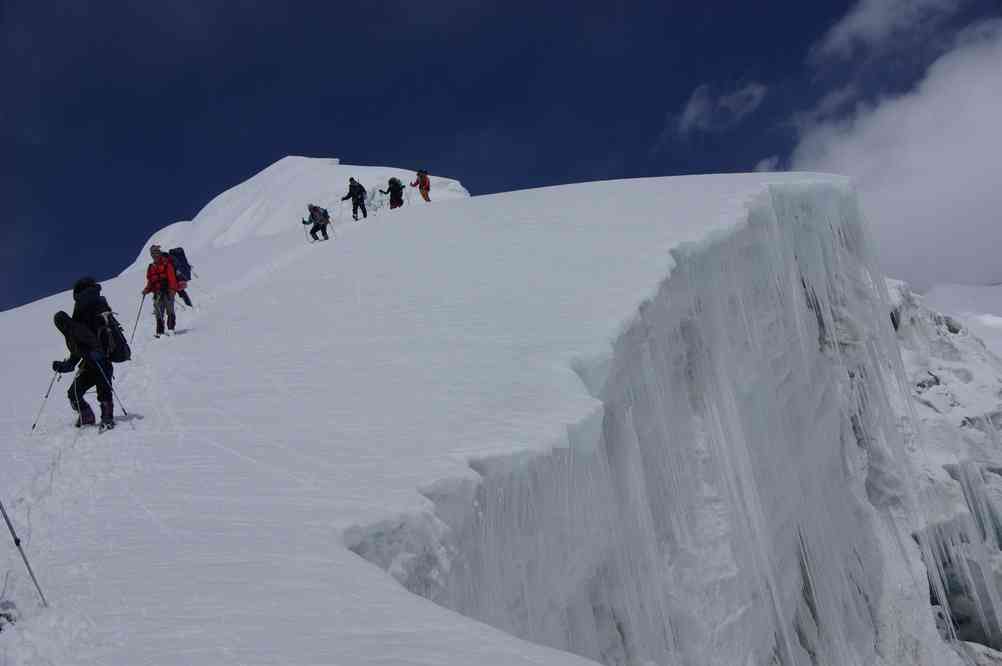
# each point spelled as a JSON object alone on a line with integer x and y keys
{"x": 112, "y": 387}
{"x": 138, "y": 314}
{"x": 17, "y": 542}
{"x": 38, "y": 416}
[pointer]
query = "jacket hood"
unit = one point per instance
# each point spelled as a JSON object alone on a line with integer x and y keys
{"x": 88, "y": 295}
{"x": 83, "y": 284}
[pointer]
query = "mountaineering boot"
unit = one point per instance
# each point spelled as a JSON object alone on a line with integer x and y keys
{"x": 85, "y": 414}
{"x": 107, "y": 415}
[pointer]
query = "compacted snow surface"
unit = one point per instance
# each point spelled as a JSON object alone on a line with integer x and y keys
{"x": 633, "y": 422}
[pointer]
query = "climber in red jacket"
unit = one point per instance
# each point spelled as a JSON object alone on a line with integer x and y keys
{"x": 161, "y": 281}
{"x": 423, "y": 183}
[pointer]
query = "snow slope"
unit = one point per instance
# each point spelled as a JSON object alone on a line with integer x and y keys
{"x": 641, "y": 421}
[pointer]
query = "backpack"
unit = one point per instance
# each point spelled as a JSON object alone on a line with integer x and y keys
{"x": 182, "y": 269}
{"x": 325, "y": 217}
{"x": 112, "y": 338}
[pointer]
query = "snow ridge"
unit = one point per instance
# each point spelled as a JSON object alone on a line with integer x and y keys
{"x": 648, "y": 421}
{"x": 275, "y": 199}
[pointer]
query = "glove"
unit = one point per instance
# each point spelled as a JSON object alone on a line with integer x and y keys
{"x": 62, "y": 367}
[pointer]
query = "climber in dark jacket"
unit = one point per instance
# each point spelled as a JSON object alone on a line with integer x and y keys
{"x": 396, "y": 191}
{"x": 357, "y": 195}
{"x": 319, "y": 218}
{"x": 86, "y": 351}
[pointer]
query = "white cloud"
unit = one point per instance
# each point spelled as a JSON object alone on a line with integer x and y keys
{"x": 927, "y": 165}
{"x": 707, "y": 112}
{"x": 770, "y": 163}
{"x": 871, "y": 23}
{"x": 833, "y": 104}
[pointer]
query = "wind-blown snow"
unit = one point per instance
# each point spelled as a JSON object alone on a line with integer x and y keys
{"x": 642, "y": 421}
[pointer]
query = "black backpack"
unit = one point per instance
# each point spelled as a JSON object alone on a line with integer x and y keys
{"x": 182, "y": 269}
{"x": 112, "y": 338}
{"x": 325, "y": 217}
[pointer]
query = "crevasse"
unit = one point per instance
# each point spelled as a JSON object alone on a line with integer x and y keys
{"x": 740, "y": 497}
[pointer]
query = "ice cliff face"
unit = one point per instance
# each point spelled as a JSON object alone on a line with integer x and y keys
{"x": 742, "y": 496}
{"x": 956, "y": 389}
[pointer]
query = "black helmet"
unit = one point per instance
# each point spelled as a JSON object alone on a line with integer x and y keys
{"x": 84, "y": 283}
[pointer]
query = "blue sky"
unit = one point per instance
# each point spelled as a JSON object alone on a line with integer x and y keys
{"x": 121, "y": 118}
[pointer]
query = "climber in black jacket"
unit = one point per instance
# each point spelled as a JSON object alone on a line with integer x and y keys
{"x": 396, "y": 191}
{"x": 357, "y": 195}
{"x": 86, "y": 351}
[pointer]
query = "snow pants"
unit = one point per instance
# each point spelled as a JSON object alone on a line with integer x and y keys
{"x": 89, "y": 376}
{"x": 355, "y": 205}
{"x": 163, "y": 307}
{"x": 425, "y": 195}
{"x": 317, "y": 227}
{"x": 396, "y": 203}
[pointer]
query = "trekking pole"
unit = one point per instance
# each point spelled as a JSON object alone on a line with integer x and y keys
{"x": 112, "y": 387}
{"x": 38, "y": 416}
{"x": 138, "y": 314}
{"x": 17, "y": 542}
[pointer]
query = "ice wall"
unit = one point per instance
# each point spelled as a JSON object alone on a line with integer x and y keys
{"x": 955, "y": 386}
{"x": 740, "y": 497}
